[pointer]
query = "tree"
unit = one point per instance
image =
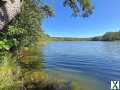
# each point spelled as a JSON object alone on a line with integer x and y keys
{"x": 31, "y": 16}
{"x": 79, "y": 6}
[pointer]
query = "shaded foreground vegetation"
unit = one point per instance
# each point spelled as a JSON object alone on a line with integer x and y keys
{"x": 25, "y": 72}
{"x": 109, "y": 36}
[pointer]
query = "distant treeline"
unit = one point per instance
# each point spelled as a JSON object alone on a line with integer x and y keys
{"x": 67, "y": 39}
{"x": 109, "y": 36}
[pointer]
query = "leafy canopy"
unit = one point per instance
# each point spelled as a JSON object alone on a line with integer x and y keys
{"x": 79, "y": 7}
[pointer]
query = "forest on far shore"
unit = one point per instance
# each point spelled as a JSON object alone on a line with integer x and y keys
{"x": 109, "y": 36}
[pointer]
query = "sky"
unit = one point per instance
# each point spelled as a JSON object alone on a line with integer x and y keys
{"x": 105, "y": 18}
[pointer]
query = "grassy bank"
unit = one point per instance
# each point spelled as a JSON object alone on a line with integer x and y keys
{"x": 25, "y": 71}
{"x": 67, "y": 39}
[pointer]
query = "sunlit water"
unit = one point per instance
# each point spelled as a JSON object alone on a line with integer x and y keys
{"x": 92, "y": 64}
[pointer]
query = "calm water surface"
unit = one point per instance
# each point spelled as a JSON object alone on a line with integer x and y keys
{"x": 92, "y": 64}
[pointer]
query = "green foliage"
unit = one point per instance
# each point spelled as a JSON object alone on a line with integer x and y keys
{"x": 12, "y": 30}
{"x": 9, "y": 72}
{"x": 12, "y": 38}
{"x": 17, "y": 36}
{"x": 30, "y": 18}
{"x": 79, "y": 7}
{"x": 32, "y": 15}
{"x": 109, "y": 36}
{"x": 5, "y": 45}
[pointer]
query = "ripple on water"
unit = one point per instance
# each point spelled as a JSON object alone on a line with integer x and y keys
{"x": 93, "y": 62}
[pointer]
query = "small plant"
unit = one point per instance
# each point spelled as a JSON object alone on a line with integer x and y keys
{"x": 12, "y": 30}
{"x": 12, "y": 38}
{"x": 5, "y": 44}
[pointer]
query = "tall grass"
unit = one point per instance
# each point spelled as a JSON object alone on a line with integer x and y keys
{"x": 26, "y": 73}
{"x": 9, "y": 72}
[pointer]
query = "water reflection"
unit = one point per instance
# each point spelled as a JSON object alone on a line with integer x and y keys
{"x": 24, "y": 71}
{"x": 99, "y": 61}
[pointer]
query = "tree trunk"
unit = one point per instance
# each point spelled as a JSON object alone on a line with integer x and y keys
{"x": 8, "y": 10}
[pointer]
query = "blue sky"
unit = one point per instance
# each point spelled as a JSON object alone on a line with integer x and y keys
{"x": 106, "y": 18}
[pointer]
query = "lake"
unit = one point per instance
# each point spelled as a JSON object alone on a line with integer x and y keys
{"x": 92, "y": 64}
